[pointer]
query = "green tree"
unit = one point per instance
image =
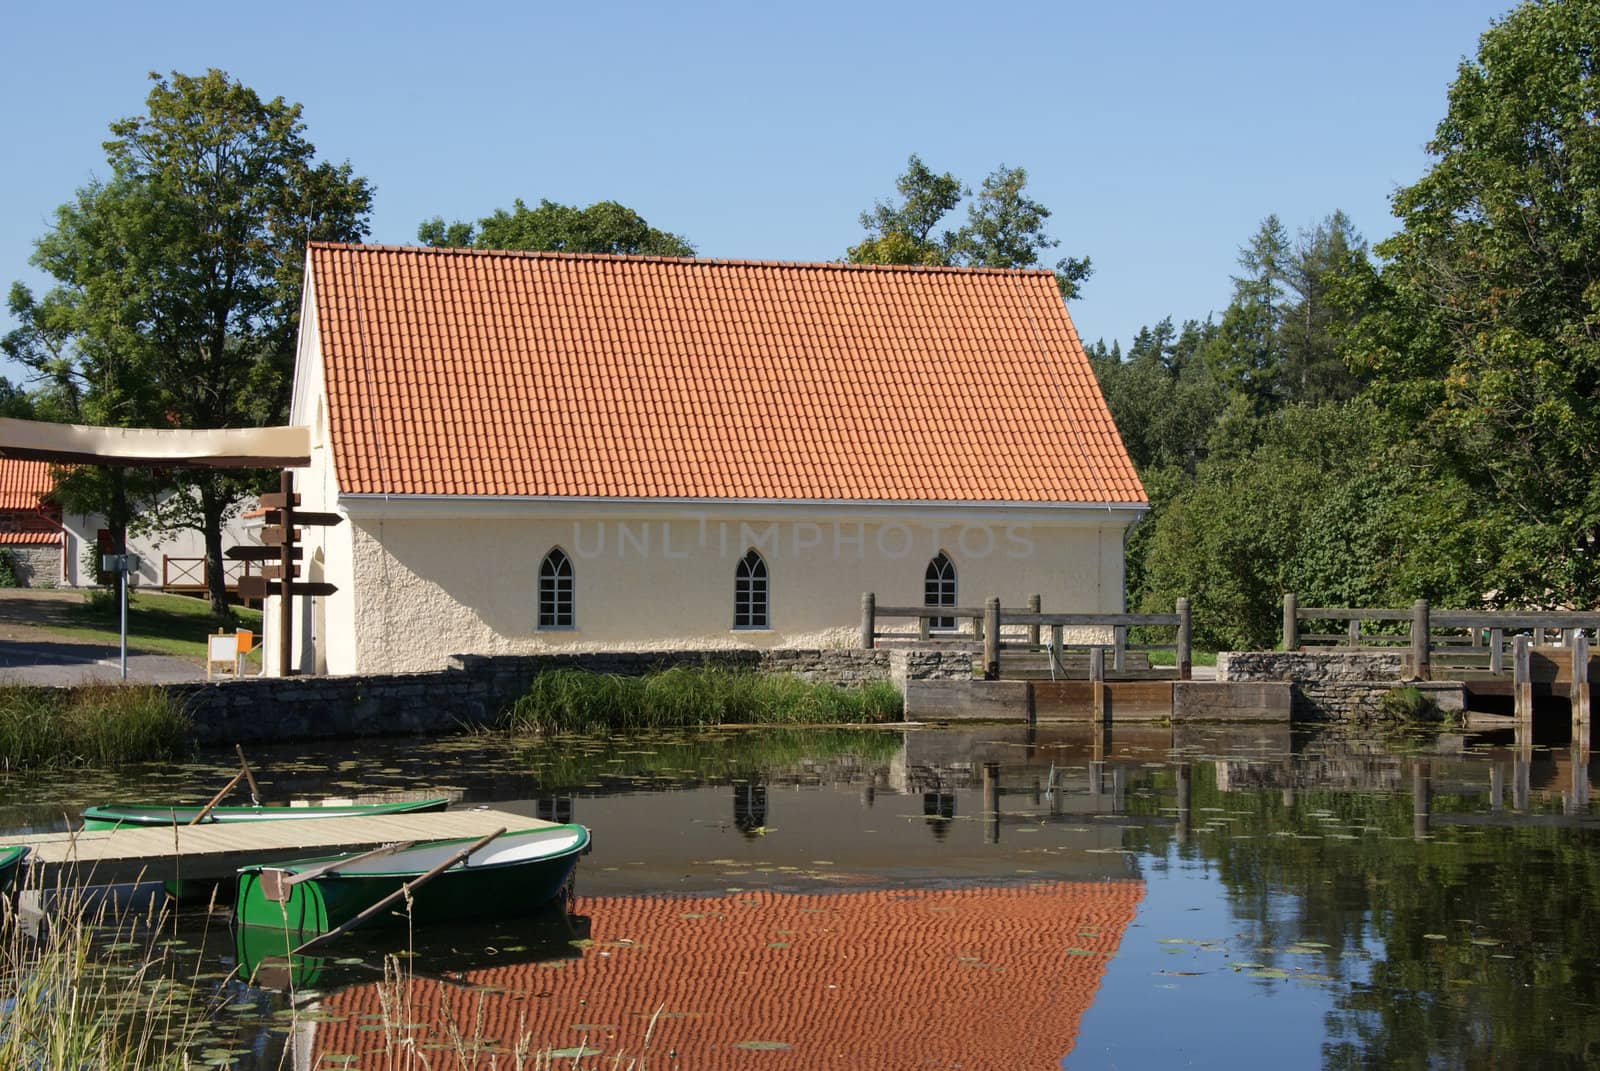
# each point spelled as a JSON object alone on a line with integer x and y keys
{"x": 1246, "y": 353}
{"x": 1320, "y": 311}
{"x": 603, "y": 227}
{"x": 1487, "y": 336}
{"x": 178, "y": 279}
{"x": 1004, "y": 229}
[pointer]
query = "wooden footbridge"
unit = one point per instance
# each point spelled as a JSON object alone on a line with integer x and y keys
{"x": 1527, "y": 656}
{"x": 215, "y": 850}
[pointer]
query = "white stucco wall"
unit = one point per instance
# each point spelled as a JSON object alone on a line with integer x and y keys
{"x": 465, "y": 578}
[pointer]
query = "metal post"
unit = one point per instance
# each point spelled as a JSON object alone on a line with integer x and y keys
{"x": 122, "y": 576}
{"x": 869, "y": 620}
{"x": 1291, "y": 622}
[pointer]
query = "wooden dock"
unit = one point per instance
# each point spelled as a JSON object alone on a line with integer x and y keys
{"x": 216, "y": 849}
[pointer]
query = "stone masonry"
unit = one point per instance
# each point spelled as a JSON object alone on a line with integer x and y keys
{"x": 1332, "y": 686}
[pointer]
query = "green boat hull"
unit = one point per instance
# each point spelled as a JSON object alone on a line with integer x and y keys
{"x": 10, "y": 867}
{"x": 492, "y": 890}
{"x": 112, "y": 816}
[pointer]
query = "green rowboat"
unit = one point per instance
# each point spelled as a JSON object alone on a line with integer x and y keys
{"x": 112, "y": 815}
{"x": 10, "y": 866}
{"x": 517, "y": 873}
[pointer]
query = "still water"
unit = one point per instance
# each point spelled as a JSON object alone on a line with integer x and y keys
{"x": 986, "y": 898}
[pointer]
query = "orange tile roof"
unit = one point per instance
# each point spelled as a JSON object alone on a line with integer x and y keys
{"x": 23, "y": 483}
{"x": 25, "y": 518}
{"x": 977, "y": 977}
{"x": 453, "y": 372}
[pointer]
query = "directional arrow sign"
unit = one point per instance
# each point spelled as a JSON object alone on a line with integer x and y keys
{"x": 276, "y": 500}
{"x": 259, "y": 587}
{"x": 302, "y": 516}
{"x": 275, "y": 572}
{"x": 262, "y": 554}
{"x": 274, "y": 536}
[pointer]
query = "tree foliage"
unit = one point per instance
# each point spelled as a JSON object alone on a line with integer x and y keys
{"x": 178, "y": 281}
{"x": 1486, "y": 337}
{"x": 603, "y": 227}
{"x": 1005, "y": 228}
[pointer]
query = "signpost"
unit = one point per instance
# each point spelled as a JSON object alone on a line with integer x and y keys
{"x": 121, "y": 565}
{"x": 280, "y": 537}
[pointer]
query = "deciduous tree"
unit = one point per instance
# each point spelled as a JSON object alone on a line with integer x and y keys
{"x": 603, "y": 227}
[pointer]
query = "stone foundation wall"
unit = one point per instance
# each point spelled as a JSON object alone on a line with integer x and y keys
{"x": 1331, "y": 686}
{"x": 37, "y": 566}
{"x": 475, "y": 688}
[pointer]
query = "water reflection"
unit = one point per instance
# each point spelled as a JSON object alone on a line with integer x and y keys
{"x": 865, "y": 899}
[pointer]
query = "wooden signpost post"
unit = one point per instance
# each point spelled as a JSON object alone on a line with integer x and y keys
{"x": 278, "y": 554}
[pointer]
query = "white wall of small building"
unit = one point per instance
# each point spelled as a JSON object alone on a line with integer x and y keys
{"x": 427, "y": 580}
{"x": 80, "y": 537}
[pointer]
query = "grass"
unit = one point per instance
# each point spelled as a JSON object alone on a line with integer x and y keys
{"x": 1170, "y": 658}
{"x": 157, "y": 624}
{"x": 89, "y": 989}
{"x": 574, "y": 700}
{"x": 96, "y": 725}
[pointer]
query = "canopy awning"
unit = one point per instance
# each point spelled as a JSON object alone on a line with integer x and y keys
{"x": 219, "y": 448}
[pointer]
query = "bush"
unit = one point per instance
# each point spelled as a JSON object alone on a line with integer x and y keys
{"x": 8, "y": 570}
{"x": 97, "y": 725}
{"x": 575, "y": 700}
{"x": 1410, "y": 706}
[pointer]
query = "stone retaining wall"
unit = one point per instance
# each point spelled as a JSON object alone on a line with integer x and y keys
{"x": 36, "y": 565}
{"x": 475, "y": 688}
{"x": 1334, "y": 686}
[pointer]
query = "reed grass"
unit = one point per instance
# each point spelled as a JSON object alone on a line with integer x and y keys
{"x": 575, "y": 700}
{"x": 87, "y": 988}
{"x": 95, "y": 725}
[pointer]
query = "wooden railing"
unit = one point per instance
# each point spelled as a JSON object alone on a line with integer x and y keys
{"x": 189, "y": 574}
{"x": 1470, "y": 637}
{"x": 989, "y": 623}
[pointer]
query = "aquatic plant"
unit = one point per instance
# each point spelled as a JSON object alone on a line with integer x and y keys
{"x": 574, "y": 700}
{"x": 89, "y": 987}
{"x": 97, "y": 725}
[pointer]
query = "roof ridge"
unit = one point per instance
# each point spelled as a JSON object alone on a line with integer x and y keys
{"x": 642, "y": 258}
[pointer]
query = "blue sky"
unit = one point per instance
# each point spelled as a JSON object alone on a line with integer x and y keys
{"x": 1159, "y": 134}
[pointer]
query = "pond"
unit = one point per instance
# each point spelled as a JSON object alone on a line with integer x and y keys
{"x": 993, "y": 897}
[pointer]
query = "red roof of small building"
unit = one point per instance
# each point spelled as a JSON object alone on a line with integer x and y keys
{"x": 26, "y": 519}
{"x": 454, "y": 372}
{"x": 977, "y": 977}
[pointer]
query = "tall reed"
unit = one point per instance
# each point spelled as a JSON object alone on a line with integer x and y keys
{"x": 97, "y": 725}
{"x": 575, "y": 700}
{"x": 83, "y": 986}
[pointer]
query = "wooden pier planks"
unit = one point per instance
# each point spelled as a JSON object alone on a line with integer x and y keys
{"x": 216, "y": 850}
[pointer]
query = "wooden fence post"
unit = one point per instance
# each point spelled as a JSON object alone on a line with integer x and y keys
{"x": 1497, "y": 650}
{"x": 924, "y": 629}
{"x": 1352, "y": 633}
{"x": 1522, "y": 679}
{"x": 1034, "y": 603}
{"x": 1291, "y": 622}
{"x": 1580, "y": 686}
{"x": 1420, "y": 640}
{"x": 991, "y": 639}
{"x": 869, "y": 620}
{"x": 1119, "y": 648}
{"x": 1097, "y": 682}
{"x": 1185, "y": 666}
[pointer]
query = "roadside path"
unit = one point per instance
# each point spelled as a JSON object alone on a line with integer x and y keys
{"x": 31, "y": 652}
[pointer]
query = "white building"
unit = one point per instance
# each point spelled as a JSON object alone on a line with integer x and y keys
{"x": 552, "y": 451}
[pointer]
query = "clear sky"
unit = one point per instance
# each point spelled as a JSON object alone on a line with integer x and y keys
{"x": 1159, "y": 133}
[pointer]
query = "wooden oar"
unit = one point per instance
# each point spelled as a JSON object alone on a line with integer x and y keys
{"x": 255, "y": 793}
{"x": 404, "y": 890}
{"x": 218, "y": 798}
{"x": 276, "y": 883}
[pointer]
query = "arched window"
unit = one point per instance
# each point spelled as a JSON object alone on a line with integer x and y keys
{"x": 555, "y": 590}
{"x": 939, "y": 588}
{"x": 750, "y": 592}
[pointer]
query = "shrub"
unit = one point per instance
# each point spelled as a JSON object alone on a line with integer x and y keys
{"x": 575, "y": 700}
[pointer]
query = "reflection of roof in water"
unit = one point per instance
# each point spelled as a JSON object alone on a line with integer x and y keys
{"x": 978, "y": 977}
